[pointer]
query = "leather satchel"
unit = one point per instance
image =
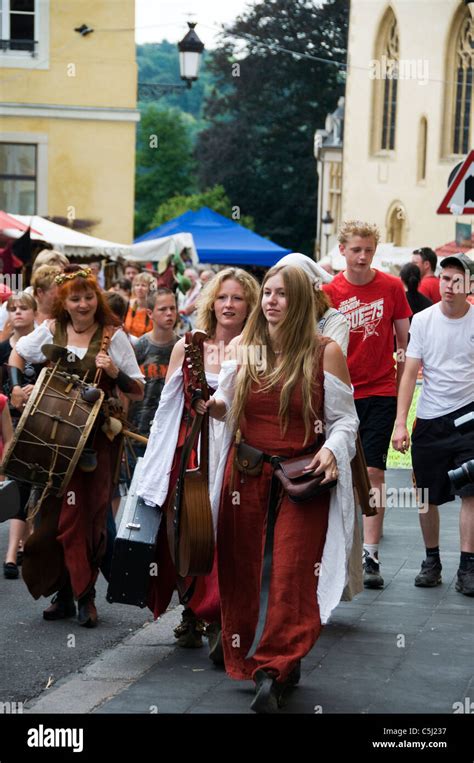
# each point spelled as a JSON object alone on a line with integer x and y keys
{"x": 299, "y": 485}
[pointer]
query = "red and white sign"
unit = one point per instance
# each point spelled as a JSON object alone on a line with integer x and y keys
{"x": 459, "y": 199}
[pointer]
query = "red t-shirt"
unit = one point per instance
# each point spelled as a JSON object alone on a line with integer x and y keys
{"x": 429, "y": 286}
{"x": 371, "y": 311}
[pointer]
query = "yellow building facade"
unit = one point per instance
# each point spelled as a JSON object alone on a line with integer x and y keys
{"x": 408, "y": 114}
{"x": 68, "y": 111}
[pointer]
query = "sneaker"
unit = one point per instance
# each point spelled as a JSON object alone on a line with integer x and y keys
{"x": 372, "y": 576}
{"x": 430, "y": 573}
{"x": 465, "y": 581}
{"x": 190, "y": 630}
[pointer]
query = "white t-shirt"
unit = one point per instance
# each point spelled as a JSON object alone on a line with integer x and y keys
{"x": 120, "y": 350}
{"x": 446, "y": 348}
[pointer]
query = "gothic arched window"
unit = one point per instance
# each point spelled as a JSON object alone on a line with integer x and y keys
{"x": 464, "y": 76}
{"x": 386, "y": 83}
{"x": 457, "y": 133}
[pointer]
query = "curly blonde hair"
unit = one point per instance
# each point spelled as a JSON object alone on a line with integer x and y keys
{"x": 206, "y": 317}
{"x": 351, "y": 228}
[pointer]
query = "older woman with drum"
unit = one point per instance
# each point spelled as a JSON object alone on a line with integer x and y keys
{"x": 64, "y": 552}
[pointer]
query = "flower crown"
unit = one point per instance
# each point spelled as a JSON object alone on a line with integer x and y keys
{"x": 63, "y": 277}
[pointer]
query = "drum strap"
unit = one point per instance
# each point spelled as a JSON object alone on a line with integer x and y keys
{"x": 35, "y": 507}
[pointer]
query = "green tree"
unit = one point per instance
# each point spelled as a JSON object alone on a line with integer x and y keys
{"x": 164, "y": 162}
{"x": 215, "y": 198}
{"x": 265, "y": 108}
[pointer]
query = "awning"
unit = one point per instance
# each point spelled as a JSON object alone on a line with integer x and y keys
{"x": 72, "y": 242}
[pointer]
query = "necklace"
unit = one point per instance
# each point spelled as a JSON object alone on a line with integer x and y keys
{"x": 82, "y": 331}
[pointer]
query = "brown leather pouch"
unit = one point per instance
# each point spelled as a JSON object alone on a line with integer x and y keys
{"x": 299, "y": 485}
{"x": 248, "y": 460}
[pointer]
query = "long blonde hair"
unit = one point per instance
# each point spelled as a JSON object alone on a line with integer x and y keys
{"x": 298, "y": 345}
{"x": 206, "y": 317}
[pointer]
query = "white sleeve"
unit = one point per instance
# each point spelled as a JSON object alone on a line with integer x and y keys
{"x": 340, "y": 416}
{"x": 415, "y": 344}
{"x": 29, "y": 346}
{"x": 226, "y": 383}
{"x": 162, "y": 442}
{"x": 336, "y": 327}
{"x": 122, "y": 354}
{"x": 341, "y": 430}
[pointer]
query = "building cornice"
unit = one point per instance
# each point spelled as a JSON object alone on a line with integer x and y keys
{"x": 51, "y": 111}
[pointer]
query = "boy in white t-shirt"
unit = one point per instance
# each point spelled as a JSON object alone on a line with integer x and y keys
{"x": 442, "y": 338}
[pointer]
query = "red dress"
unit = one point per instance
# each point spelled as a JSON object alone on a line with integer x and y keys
{"x": 293, "y": 622}
{"x": 69, "y": 536}
{"x": 205, "y": 599}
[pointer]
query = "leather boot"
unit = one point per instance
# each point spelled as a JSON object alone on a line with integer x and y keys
{"x": 214, "y": 636}
{"x": 87, "y": 615}
{"x": 62, "y": 605}
{"x": 268, "y": 697}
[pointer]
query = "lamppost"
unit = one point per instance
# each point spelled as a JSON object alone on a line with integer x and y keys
{"x": 190, "y": 55}
{"x": 327, "y": 222}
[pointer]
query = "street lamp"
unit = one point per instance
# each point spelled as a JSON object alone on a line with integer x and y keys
{"x": 190, "y": 54}
{"x": 327, "y": 223}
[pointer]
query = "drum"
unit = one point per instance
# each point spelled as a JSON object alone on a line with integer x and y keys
{"x": 53, "y": 430}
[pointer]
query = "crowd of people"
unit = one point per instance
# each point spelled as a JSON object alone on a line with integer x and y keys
{"x": 294, "y": 369}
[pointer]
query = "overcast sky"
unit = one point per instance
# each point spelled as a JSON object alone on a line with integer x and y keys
{"x": 157, "y": 20}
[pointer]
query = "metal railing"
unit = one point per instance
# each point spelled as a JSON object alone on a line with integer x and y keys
{"x": 19, "y": 44}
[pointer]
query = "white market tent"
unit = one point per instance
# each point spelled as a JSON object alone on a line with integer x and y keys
{"x": 72, "y": 242}
{"x": 387, "y": 257}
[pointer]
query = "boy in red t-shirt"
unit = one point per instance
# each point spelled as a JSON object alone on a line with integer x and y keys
{"x": 375, "y": 306}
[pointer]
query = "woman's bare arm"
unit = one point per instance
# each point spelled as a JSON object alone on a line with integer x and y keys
{"x": 176, "y": 359}
{"x": 335, "y": 363}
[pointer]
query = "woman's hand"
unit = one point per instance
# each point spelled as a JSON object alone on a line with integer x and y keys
{"x": 106, "y": 363}
{"x": 18, "y": 398}
{"x": 27, "y": 390}
{"x": 324, "y": 461}
{"x": 204, "y": 406}
{"x": 215, "y": 408}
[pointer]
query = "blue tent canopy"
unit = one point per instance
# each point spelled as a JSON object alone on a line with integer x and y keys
{"x": 219, "y": 240}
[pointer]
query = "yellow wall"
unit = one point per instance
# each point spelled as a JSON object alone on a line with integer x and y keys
{"x": 91, "y": 163}
{"x": 105, "y": 67}
{"x": 91, "y": 168}
{"x": 373, "y": 182}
